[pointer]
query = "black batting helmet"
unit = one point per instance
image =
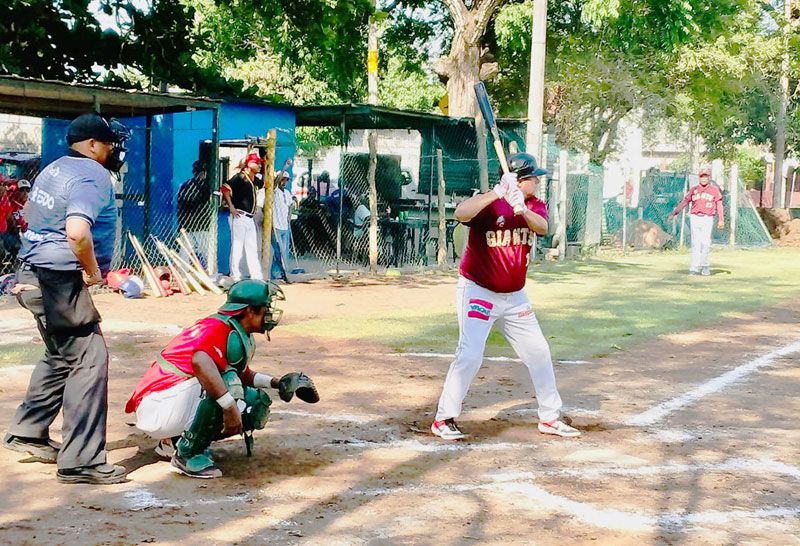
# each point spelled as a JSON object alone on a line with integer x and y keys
{"x": 524, "y": 165}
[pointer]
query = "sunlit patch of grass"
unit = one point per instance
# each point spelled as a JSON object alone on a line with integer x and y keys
{"x": 598, "y": 306}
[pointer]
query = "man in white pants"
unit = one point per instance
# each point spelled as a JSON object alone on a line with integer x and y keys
{"x": 490, "y": 292}
{"x": 706, "y": 199}
{"x": 240, "y": 195}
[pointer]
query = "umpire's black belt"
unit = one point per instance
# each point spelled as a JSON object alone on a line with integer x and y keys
{"x": 245, "y": 213}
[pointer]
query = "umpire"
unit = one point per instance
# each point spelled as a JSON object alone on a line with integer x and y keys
{"x": 67, "y": 248}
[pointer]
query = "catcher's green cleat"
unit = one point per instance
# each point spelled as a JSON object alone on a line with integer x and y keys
{"x": 199, "y": 466}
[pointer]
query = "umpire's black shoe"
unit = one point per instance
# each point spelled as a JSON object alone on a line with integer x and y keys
{"x": 101, "y": 474}
{"x": 42, "y": 450}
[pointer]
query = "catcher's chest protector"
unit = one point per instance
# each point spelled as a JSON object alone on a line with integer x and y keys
{"x": 241, "y": 345}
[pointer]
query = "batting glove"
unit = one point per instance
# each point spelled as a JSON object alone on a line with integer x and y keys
{"x": 516, "y": 199}
{"x": 500, "y": 190}
{"x": 509, "y": 179}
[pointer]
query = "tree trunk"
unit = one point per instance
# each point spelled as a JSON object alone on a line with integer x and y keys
{"x": 463, "y": 72}
{"x": 462, "y": 69}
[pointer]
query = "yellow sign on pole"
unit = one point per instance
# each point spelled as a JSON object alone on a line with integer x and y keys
{"x": 372, "y": 61}
{"x": 444, "y": 104}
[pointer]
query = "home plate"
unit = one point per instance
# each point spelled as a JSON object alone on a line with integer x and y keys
{"x": 604, "y": 456}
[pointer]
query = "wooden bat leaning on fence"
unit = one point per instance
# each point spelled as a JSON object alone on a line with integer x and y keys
{"x": 201, "y": 276}
{"x": 191, "y": 279}
{"x": 179, "y": 280}
{"x": 189, "y": 248}
{"x": 199, "y": 272}
{"x": 147, "y": 269}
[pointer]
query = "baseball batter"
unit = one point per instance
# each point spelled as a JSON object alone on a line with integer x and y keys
{"x": 490, "y": 292}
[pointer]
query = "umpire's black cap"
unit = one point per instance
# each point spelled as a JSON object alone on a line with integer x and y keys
{"x": 91, "y": 125}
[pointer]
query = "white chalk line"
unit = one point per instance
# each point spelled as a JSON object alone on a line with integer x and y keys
{"x": 486, "y": 358}
{"x": 433, "y": 446}
{"x": 711, "y": 386}
{"x": 607, "y": 518}
{"x": 741, "y": 466}
{"x": 142, "y": 498}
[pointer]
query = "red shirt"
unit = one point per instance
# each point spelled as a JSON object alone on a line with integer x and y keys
{"x": 706, "y": 201}
{"x": 208, "y": 335}
{"x": 499, "y": 243}
{"x": 7, "y": 208}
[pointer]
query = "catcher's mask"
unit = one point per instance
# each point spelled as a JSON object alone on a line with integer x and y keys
{"x": 255, "y": 293}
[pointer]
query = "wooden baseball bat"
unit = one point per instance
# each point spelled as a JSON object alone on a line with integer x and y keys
{"x": 193, "y": 282}
{"x": 147, "y": 269}
{"x": 182, "y": 285}
{"x": 199, "y": 272}
{"x": 491, "y": 122}
{"x": 201, "y": 275}
{"x": 193, "y": 257}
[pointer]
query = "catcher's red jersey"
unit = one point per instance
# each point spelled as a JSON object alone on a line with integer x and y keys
{"x": 208, "y": 335}
{"x": 499, "y": 243}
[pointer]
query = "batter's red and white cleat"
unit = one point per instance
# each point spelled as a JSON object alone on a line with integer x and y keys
{"x": 447, "y": 430}
{"x": 559, "y": 428}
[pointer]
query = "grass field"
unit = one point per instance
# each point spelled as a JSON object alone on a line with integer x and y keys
{"x": 590, "y": 308}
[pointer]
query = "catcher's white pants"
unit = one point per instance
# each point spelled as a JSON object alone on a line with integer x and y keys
{"x": 168, "y": 413}
{"x": 702, "y": 227}
{"x": 478, "y": 310}
{"x": 244, "y": 241}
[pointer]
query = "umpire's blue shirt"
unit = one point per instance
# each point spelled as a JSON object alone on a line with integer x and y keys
{"x": 73, "y": 185}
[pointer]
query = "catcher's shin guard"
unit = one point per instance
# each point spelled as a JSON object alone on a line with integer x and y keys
{"x": 255, "y": 415}
{"x": 207, "y": 423}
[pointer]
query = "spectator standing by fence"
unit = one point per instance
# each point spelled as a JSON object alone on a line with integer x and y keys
{"x": 282, "y": 204}
{"x": 706, "y": 200}
{"x": 240, "y": 196}
{"x": 194, "y": 198}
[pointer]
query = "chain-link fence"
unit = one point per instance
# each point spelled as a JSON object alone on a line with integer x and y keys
{"x": 170, "y": 194}
{"x": 330, "y": 230}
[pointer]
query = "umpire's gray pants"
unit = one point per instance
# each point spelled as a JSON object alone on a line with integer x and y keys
{"x": 73, "y": 374}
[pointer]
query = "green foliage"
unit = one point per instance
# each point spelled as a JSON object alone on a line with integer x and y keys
{"x": 142, "y": 48}
{"x": 752, "y": 169}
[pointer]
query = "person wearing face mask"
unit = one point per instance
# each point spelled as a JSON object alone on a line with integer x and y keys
{"x": 201, "y": 388}
{"x": 67, "y": 247}
{"x": 706, "y": 200}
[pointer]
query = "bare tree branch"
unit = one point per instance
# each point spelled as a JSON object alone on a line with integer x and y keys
{"x": 483, "y": 14}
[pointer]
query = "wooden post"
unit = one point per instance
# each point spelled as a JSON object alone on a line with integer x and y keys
{"x": 441, "y": 254}
{"x": 372, "y": 140}
{"x": 683, "y": 216}
{"x": 269, "y": 196}
{"x": 561, "y": 232}
{"x": 625, "y": 214}
{"x": 733, "y": 182}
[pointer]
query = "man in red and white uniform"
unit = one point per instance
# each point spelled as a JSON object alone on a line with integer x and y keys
{"x": 201, "y": 388}
{"x": 490, "y": 292}
{"x": 706, "y": 200}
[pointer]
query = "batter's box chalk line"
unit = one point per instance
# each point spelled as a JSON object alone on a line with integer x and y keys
{"x": 451, "y": 356}
{"x": 526, "y": 495}
{"x": 714, "y": 385}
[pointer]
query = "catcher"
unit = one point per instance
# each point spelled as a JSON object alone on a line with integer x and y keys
{"x": 200, "y": 388}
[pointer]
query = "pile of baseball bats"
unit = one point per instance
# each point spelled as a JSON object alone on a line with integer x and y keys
{"x": 188, "y": 275}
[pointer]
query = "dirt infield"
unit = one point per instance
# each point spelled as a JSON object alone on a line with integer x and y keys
{"x": 689, "y": 438}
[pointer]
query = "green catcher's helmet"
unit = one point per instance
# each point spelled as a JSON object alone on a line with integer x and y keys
{"x": 258, "y": 294}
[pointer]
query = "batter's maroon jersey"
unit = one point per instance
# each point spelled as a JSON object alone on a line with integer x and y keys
{"x": 498, "y": 246}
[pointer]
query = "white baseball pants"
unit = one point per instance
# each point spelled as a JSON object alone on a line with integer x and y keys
{"x": 168, "y": 413}
{"x": 244, "y": 241}
{"x": 702, "y": 228}
{"x": 478, "y": 310}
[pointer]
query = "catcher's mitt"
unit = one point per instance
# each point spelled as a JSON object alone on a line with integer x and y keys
{"x": 300, "y": 384}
